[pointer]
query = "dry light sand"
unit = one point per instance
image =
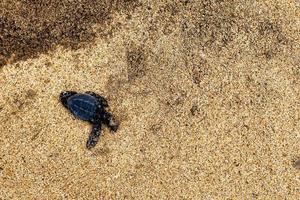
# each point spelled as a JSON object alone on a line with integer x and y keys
{"x": 207, "y": 93}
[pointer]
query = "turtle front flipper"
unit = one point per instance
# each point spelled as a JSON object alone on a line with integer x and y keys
{"x": 100, "y": 99}
{"x": 94, "y": 136}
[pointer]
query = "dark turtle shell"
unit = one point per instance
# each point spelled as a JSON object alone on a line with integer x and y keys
{"x": 83, "y": 106}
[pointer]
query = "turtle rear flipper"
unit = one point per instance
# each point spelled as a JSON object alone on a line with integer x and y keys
{"x": 110, "y": 121}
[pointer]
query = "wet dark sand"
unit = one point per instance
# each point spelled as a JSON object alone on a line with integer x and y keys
{"x": 207, "y": 94}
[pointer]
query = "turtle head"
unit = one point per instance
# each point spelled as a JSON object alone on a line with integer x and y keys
{"x": 64, "y": 96}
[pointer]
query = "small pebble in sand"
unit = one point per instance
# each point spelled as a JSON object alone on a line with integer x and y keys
{"x": 296, "y": 164}
{"x": 89, "y": 107}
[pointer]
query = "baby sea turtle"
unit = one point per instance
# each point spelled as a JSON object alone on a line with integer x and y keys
{"x": 89, "y": 107}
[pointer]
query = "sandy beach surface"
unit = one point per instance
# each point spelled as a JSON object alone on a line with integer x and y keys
{"x": 207, "y": 93}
